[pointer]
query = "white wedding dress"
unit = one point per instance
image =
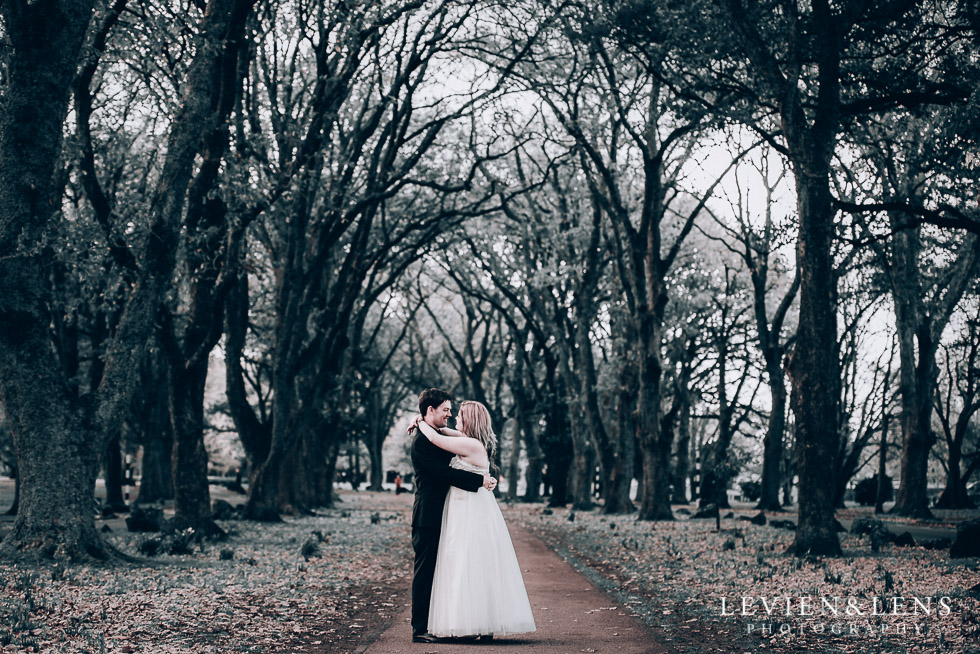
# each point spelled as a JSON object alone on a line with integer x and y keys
{"x": 477, "y": 588}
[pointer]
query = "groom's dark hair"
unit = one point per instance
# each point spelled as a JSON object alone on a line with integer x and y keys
{"x": 432, "y": 397}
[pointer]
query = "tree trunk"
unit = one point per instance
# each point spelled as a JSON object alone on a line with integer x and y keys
{"x": 192, "y": 494}
{"x": 375, "y": 436}
{"x": 263, "y": 494}
{"x": 913, "y": 498}
{"x": 55, "y": 491}
{"x": 772, "y": 457}
{"x": 558, "y": 455}
{"x": 254, "y": 434}
{"x": 656, "y": 482}
{"x": 301, "y": 470}
{"x": 849, "y": 461}
{"x": 954, "y": 495}
{"x": 917, "y": 384}
{"x": 880, "y": 492}
{"x": 694, "y": 478}
{"x": 655, "y": 501}
{"x": 606, "y": 443}
{"x": 306, "y": 473}
{"x": 558, "y": 470}
{"x": 13, "y": 507}
{"x": 377, "y": 467}
{"x": 57, "y": 465}
{"x": 514, "y": 469}
{"x": 533, "y": 471}
{"x": 112, "y": 465}
{"x": 151, "y": 419}
{"x": 621, "y": 473}
{"x": 789, "y": 469}
{"x": 582, "y": 474}
{"x": 56, "y": 447}
{"x": 558, "y": 479}
{"x": 815, "y": 368}
{"x": 919, "y": 330}
{"x": 716, "y": 471}
{"x": 524, "y": 422}
{"x": 682, "y": 450}
{"x": 714, "y": 478}
{"x": 157, "y": 482}
{"x": 328, "y": 472}
{"x": 293, "y": 474}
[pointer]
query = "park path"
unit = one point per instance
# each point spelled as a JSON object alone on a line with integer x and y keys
{"x": 570, "y": 613}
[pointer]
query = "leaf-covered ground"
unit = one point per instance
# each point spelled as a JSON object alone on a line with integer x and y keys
{"x": 674, "y": 575}
{"x": 354, "y": 577}
{"x": 268, "y": 598}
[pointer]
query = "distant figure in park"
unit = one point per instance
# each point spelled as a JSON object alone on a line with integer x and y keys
{"x": 433, "y": 478}
{"x": 398, "y": 485}
{"x": 477, "y": 587}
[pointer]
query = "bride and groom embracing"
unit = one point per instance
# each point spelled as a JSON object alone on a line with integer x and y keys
{"x": 467, "y": 580}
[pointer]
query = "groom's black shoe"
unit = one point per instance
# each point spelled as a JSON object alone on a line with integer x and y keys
{"x": 486, "y": 638}
{"x": 423, "y": 637}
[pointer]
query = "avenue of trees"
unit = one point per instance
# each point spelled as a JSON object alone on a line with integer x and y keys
{"x": 675, "y": 243}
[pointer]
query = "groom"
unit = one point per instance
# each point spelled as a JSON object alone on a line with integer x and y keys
{"x": 433, "y": 477}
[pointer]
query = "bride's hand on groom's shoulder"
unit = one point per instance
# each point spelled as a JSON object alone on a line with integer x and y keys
{"x": 415, "y": 424}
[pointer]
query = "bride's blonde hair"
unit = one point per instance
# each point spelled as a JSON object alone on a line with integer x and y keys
{"x": 476, "y": 424}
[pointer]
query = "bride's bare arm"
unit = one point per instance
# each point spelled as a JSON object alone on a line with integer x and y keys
{"x": 461, "y": 445}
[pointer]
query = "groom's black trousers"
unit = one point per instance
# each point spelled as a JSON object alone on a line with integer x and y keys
{"x": 425, "y": 542}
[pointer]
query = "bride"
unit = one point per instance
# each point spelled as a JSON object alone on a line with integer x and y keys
{"x": 475, "y": 551}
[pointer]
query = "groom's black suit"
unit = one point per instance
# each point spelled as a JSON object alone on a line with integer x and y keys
{"x": 433, "y": 477}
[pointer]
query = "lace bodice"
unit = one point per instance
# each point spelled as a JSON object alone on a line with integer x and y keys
{"x": 459, "y": 464}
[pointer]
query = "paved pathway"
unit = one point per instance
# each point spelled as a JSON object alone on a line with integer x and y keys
{"x": 570, "y": 613}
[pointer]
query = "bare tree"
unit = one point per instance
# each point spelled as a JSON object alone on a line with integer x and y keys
{"x": 924, "y": 292}
{"x": 56, "y": 454}
{"x": 756, "y": 240}
{"x": 347, "y": 203}
{"x": 960, "y": 363}
{"x": 811, "y": 95}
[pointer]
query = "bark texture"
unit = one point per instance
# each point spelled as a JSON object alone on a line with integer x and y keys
{"x": 54, "y": 432}
{"x": 51, "y": 431}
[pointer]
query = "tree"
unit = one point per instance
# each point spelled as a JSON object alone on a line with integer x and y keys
{"x": 210, "y": 233}
{"x": 9, "y": 460}
{"x": 380, "y": 385}
{"x": 473, "y": 341}
{"x": 524, "y": 290}
{"x": 865, "y": 403}
{"x": 960, "y": 363}
{"x": 801, "y": 62}
{"x": 150, "y": 426}
{"x": 725, "y": 334}
{"x": 924, "y": 292}
{"x": 619, "y": 112}
{"x": 757, "y": 239}
{"x": 561, "y": 232}
{"x": 348, "y": 201}
{"x": 45, "y": 40}
{"x": 771, "y": 39}
{"x": 55, "y": 446}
